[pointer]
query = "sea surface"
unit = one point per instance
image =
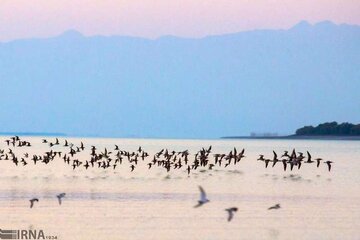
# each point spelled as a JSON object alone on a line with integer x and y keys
{"x": 156, "y": 204}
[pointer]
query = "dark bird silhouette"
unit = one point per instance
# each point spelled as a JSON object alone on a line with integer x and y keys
{"x": 86, "y": 165}
{"x": 318, "y": 161}
{"x": 60, "y": 196}
{"x": 275, "y": 159}
{"x": 32, "y": 202}
{"x": 309, "y": 158}
{"x": 231, "y": 212}
{"x": 328, "y": 163}
{"x": 284, "y": 161}
{"x": 266, "y": 162}
{"x": 132, "y": 167}
{"x": 203, "y": 198}
{"x": 286, "y": 154}
{"x": 276, "y": 206}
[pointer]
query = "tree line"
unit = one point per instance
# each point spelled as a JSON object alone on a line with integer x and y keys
{"x": 331, "y": 128}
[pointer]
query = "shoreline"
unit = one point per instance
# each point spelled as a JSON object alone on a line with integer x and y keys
{"x": 295, "y": 137}
{"x": 289, "y": 137}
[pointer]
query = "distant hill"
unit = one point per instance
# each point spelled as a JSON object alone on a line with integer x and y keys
{"x": 330, "y": 129}
{"x": 234, "y": 84}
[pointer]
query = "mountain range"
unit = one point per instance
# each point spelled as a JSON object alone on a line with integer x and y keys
{"x": 170, "y": 87}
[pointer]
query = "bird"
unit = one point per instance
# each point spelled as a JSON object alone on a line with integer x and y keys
{"x": 328, "y": 164}
{"x": 318, "y": 161}
{"x": 203, "y": 198}
{"x": 284, "y": 161}
{"x": 132, "y": 167}
{"x": 286, "y": 154}
{"x": 32, "y": 202}
{"x": 266, "y": 162}
{"x": 275, "y": 159}
{"x": 231, "y": 212}
{"x": 276, "y": 206}
{"x": 60, "y": 196}
{"x": 309, "y": 158}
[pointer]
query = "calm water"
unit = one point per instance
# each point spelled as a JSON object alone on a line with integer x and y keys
{"x": 154, "y": 204}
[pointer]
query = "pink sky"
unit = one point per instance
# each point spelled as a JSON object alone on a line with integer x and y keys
{"x": 154, "y": 18}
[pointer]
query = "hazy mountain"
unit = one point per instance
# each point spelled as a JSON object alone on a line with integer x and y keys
{"x": 234, "y": 84}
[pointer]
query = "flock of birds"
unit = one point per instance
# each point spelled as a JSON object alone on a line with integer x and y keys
{"x": 231, "y": 211}
{"x": 59, "y": 197}
{"x": 165, "y": 158}
{"x": 203, "y": 200}
{"x": 293, "y": 160}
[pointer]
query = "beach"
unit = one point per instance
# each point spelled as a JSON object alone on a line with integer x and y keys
{"x": 156, "y": 204}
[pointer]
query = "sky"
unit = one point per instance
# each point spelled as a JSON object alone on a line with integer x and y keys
{"x": 155, "y": 18}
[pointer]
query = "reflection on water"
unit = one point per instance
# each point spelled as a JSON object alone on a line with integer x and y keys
{"x": 274, "y": 233}
{"x": 154, "y": 204}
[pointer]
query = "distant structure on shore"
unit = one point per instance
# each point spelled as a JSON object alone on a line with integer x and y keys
{"x": 330, "y": 129}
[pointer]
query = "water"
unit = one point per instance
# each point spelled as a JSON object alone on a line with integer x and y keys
{"x": 154, "y": 204}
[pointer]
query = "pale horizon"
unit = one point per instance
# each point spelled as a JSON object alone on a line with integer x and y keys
{"x": 152, "y": 19}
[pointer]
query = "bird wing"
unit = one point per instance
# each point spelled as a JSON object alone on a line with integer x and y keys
{"x": 230, "y": 214}
{"x": 285, "y": 164}
{"x": 31, "y": 204}
{"x": 59, "y": 199}
{"x": 329, "y": 166}
{"x": 275, "y": 155}
{"x": 266, "y": 163}
{"x": 202, "y": 194}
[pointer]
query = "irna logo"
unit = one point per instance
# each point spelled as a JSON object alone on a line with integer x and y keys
{"x": 24, "y": 234}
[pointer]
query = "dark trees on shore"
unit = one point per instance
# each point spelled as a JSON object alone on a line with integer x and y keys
{"x": 331, "y": 128}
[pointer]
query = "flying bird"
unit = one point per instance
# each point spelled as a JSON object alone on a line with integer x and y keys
{"x": 32, "y": 202}
{"x": 276, "y": 206}
{"x": 203, "y": 198}
{"x": 328, "y": 164}
{"x": 60, "y": 196}
{"x": 318, "y": 161}
{"x": 231, "y": 212}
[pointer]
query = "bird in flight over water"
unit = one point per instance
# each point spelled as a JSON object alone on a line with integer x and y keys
{"x": 328, "y": 164}
{"x": 231, "y": 212}
{"x": 32, "y": 202}
{"x": 60, "y": 196}
{"x": 276, "y": 206}
{"x": 203, "y": 198}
